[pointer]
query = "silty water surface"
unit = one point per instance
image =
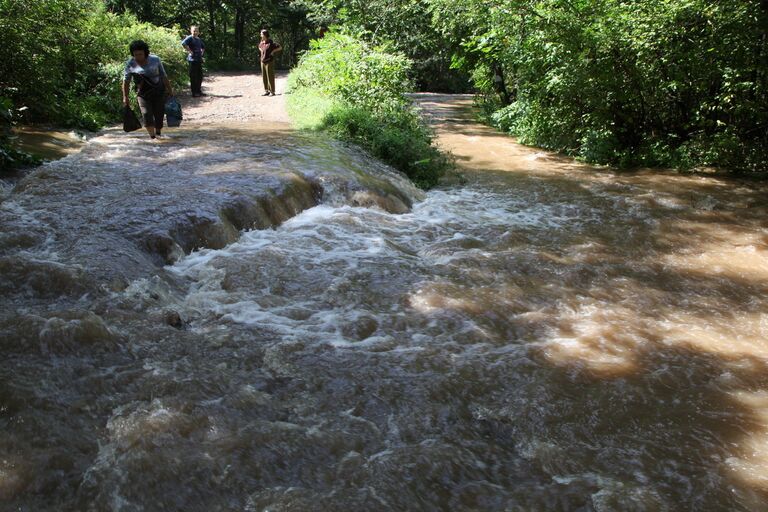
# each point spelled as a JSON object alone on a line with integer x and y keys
{"x": 547, "y": 338}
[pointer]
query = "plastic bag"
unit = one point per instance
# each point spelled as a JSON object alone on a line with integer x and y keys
{"x": 173, "y": 114}
{"x": 130, "y": 121}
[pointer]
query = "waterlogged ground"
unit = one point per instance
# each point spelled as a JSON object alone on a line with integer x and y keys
{"x": 545, "y": 337}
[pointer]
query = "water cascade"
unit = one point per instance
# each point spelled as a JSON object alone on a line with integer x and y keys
{"x": 242, "y": 321}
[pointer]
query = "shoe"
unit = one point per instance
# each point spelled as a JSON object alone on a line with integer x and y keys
{"x": 195, "y": 95}
{"x": 266, "y": 93}
{"x": 273, "y": 94}
{"x": 201, "y": 94}
{"x": 158, "y": 134}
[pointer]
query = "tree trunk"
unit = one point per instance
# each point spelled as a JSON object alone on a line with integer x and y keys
{"x": 499, "y": 83}
{"x": 212, "y": 19}
{"x": 239, "y": 32}
{"x": 224, "y": 38}
{"x": 760, "y": 81}
{"x": 115, "y": 6}
{"x": 147, "y": 11}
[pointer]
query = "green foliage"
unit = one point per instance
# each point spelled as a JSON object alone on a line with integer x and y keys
{"x": 10, "y": 157}
{"x": 230, "y": 28}
{"x": 403, "y": 26}
{"x": 402, "y": 143}
{"x": 342, "y": 67}
{"x": 73, "y": 52}
{"x": 355, "y": 92}
{"x": 659, "y": 82}
{"x": 663, "y": 82}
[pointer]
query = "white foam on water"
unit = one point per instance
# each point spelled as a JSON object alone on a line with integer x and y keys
{"x": 21, "y": 220}
{"x": 343, "y": 265}
{"x": 478, "y": 207}
{"x": 5, "y": 189}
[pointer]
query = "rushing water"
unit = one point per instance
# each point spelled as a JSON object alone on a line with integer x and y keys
{"x": 544, "y": 337}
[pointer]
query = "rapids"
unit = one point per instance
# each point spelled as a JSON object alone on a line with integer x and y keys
{"x": 242, "y": 321}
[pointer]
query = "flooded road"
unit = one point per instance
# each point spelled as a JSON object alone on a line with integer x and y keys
{"x": 547, "y": 336}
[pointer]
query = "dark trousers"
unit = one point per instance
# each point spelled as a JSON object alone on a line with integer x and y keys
{"x": 196, "y": 76}
{"x": 153, "y": 110}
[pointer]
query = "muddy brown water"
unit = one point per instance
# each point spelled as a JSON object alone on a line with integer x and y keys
{"x": 546, "y": 336}
{"x": 47, "y": 143}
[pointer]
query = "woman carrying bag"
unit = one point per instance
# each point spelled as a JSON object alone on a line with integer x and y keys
{"x": 152, "y": 84}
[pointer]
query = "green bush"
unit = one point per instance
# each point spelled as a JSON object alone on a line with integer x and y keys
{"x": 73, "y": 52}
{"x": 599, "y": 146}
{"x": 405, "y": 146}
{"x": 356, "y": 93}
{"x": 672, "y": 83}
{"x": 10, "y": 157}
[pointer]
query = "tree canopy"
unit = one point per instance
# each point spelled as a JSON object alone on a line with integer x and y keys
{"x": 660, "y": 82}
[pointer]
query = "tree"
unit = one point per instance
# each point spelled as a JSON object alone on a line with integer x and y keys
{"x": 403, "y": 25}
{"x": 669, "y": 82}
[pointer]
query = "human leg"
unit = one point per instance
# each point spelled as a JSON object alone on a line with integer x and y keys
{"x": 265, "y": 77}
{"x": 192, "y": 78}
{"x": 271, "y": 77}
{"x": 158, "y": 107}
{"x": 148, "y": 114}
{"x": 196, "y": 77}
{"x": 200, "y": 78}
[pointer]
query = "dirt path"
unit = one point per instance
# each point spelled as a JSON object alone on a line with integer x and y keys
{"x": 235, "y": 97}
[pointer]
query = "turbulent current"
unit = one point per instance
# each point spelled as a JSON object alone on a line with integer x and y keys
{"x": 235, "y": 320}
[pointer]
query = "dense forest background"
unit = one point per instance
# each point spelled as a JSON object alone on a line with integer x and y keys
{"x": 680, "y": 83}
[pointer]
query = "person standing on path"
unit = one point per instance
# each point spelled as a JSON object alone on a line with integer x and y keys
{"x": 195, "y": 50}
{"x": 268, "y": 49}
{"x": 151, "y": 82}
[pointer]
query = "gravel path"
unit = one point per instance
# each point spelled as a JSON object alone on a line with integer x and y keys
{"x": 235, "y": 97}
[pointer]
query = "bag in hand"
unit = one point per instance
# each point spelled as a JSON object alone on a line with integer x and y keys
{"x": 173, "y": 114}
{"x": 130, "y": 121}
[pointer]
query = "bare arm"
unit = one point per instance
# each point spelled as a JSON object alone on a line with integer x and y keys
{"x": 167, "y": 84}
{"x": 126, "y": 88}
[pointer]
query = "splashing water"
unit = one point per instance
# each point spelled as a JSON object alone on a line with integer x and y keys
{"x": 533, "y": 340}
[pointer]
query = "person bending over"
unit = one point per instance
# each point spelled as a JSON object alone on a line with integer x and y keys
{"x": 151, "y": 83}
